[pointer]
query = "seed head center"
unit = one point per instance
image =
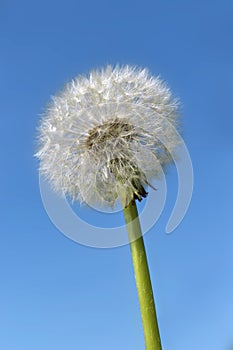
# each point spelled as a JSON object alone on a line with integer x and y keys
{"x": 118, "y": 128}
{"x": 121, "y": 166}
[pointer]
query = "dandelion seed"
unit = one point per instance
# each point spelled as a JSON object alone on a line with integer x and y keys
{"x": 100, "y": 137}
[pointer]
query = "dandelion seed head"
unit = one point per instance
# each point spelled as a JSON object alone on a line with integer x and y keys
{"x": 100, "y": 138}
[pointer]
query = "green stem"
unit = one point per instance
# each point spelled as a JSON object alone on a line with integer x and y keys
{"x": 142, "y": 276}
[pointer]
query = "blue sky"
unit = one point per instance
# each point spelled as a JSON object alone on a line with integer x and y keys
{"x": 57, "y": 294}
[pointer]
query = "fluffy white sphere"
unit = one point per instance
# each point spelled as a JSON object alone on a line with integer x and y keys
{"x": 107, "y": 135}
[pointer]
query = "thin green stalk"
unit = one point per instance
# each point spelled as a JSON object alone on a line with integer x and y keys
{"x": 142, "y": 276}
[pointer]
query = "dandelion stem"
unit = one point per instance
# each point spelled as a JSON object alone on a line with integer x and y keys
{"x": 142, "y": 276}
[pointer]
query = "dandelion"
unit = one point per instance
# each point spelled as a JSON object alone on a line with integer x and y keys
{"x": 103, "y": 139}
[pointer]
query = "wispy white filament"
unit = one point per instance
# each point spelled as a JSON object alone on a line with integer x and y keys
{"x": 100, "y": 138}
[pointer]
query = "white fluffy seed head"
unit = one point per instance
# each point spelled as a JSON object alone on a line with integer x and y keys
{"x": 107, "y": 135}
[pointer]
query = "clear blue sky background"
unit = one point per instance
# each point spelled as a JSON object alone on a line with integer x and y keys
{"x": 56, "y": 294}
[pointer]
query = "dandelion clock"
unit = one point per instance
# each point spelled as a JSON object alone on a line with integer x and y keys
{"x": 100, "y": 142}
